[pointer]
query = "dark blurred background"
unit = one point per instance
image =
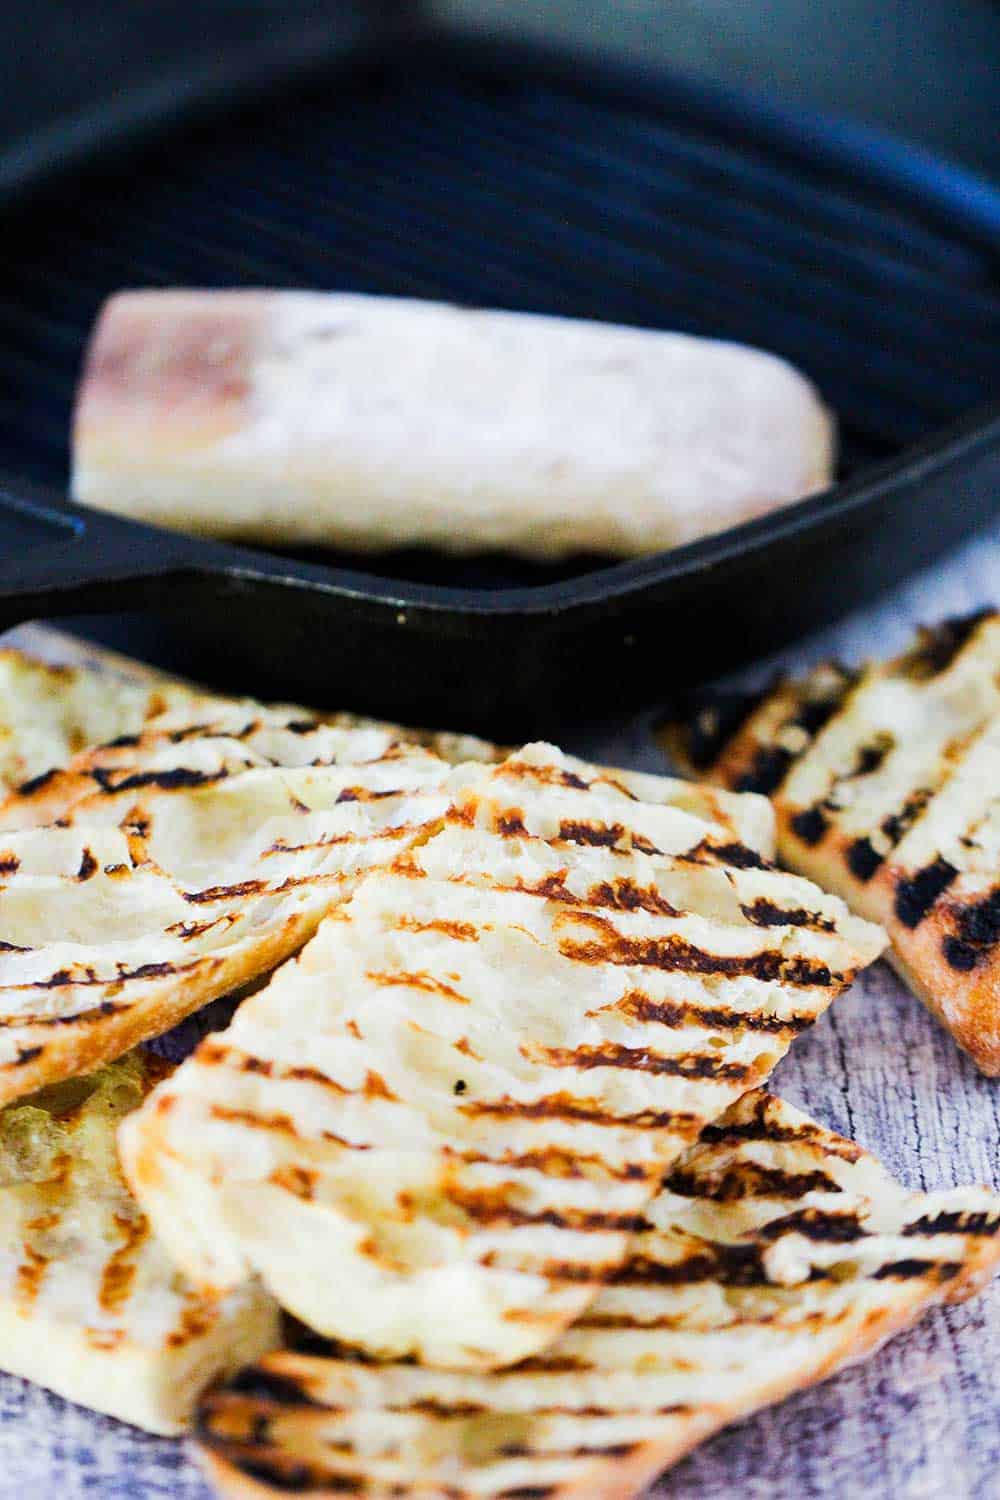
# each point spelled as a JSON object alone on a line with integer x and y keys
{"x": 926, "y": 69}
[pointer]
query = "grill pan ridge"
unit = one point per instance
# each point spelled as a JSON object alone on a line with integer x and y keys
{"x": 450, "y": 167}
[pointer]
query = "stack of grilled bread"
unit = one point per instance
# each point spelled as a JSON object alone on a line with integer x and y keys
{"x": 489, "y": 1124}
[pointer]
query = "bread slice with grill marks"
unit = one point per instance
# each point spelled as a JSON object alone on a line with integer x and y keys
{"x": 90, "y": 1304}
{"x": 181, "y": 867}
{"x": 775, "y": 1253}
{"x": 886, "y": 785}
{"x": 435, "y": 1132}
{"x": 49, "y": 713}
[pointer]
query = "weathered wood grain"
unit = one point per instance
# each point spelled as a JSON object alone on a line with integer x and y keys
{"x": 920, "y": 1421}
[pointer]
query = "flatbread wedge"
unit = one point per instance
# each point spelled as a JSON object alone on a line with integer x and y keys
{"x": 434, "y": 1134}
{"x": 181, "y": 865}
{"x": 885, "y": 786}
{"x": 775, "y": 1254}
{"x": 438, "y": 426}
{"x": 90, "y": 1304}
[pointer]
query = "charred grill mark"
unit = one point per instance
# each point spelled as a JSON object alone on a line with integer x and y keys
{"x": 909, "y": 1270}
{"x": 897, "y": 824}
{"x": 89, "y": 977}
{"x": 554, "y": 1161}
{"x": 261, "y": 1384}
{"x": 937, "y": 648}
{"x": 567, "y": 1107}
{"x": 13, "y": 948}
{"x": 25, "y": 1055}
{"x": 978, "y": 930}
{"x": 491, "y": 1206}
{"x": 676, "y": 1014}
{"x": 711, "y": 722}
{"x": 187, "y": 930}
{"x": 9, "y": 863}
{"x": 730, "y": 1265}
{"x": 125, "y": 742}
{"x": 38, "y": 783}
{"x": 870, "y": 756}
{"x": 917, "y": 894}
{"x": 764, "y": 1127}
{"x": 546, "y": 775}
{"x": 596, "y": 835}
{"x": 461, "y": 932}
{"x": 863, "y": 859}
{"x": 675, "y": 954}
{"x": 736, "y": 855}
{"x": 772, "y": 763}
{"x": 641, "y": 1060}
{"x": 366, "y": 794}
{"x": 767, "y": 770}
{"x": 298, "y": 1181}
{"x": 181, "y": 777}
{"x": 765, "y": 913}
{"x": 88, "y": 866}
{"x": 81, "y": 1018}
{"x": 623, "y": 894}
{"x": 749, "y": 1180}
{"x": 119, "y": 1272}
{"x": 225, "y": 892}
{"x": 510, "y": 824}
{"x": 419, "y": 980}
{"x": 816, "y": 1224}
{"x": 810, "y": 825}
{"x": 954, "y": 1223}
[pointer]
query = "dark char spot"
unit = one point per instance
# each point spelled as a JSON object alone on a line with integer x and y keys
{"x": 915, "y": 896}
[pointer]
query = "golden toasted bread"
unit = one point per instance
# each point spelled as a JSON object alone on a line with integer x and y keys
{"x": 775, "y": 1253}
{"x": 434, "y": 1134}
{"x": 884, "y": 783}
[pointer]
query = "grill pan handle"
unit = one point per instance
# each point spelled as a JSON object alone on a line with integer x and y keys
{"x": 59, "y": 558}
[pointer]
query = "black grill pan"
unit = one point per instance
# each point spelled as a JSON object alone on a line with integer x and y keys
{"x": 432, "y": 164}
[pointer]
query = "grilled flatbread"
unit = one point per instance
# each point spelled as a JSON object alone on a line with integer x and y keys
{"x": 434, "y": 1134}
{"x": 90, "y": 1304}
{"x": 776, "y": 1253}
{"x": 48, "y": 713}
{"x": 885, "y": 785}
{"x": 439, "y": 426}
{"x": 191, "y": 867}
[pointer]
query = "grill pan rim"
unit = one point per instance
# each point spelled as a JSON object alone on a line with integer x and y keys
{"x": 918, "y": 177}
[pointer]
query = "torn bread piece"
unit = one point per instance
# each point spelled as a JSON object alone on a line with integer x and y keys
{"x": 438, "y": 425}
{"x": 191, "y": 869}
{"x": 434, "y": 1134}
{"x": 886, "y": 785}
{"x": 775, "y": 1254}
{"x": 90, "y": 1304}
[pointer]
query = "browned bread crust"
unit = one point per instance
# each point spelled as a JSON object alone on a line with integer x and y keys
{"x": 890, "y": 801}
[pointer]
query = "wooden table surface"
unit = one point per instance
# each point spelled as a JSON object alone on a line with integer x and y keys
{"x": 918, "y": 1421}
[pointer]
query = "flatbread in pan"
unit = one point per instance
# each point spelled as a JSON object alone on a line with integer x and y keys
{"x": 885, "y": 786}
{"x": 90, "y": 1304}
{"x": 434, "y": 1134}
{"x": 775, "y": 1254}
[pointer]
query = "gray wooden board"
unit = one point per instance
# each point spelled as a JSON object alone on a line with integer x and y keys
{"x": 918, "y": 1421}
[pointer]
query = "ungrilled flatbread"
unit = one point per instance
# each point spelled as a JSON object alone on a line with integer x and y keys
{"x": 776, "y": 1253}
{"x": 90, "y": 1304}
{"x": 373, "y": 422}
{"x": 434, "y": 1133}
{"x": 886, "y": 784}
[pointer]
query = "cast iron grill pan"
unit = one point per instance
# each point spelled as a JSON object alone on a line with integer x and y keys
{"x": 446, "y": 168}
